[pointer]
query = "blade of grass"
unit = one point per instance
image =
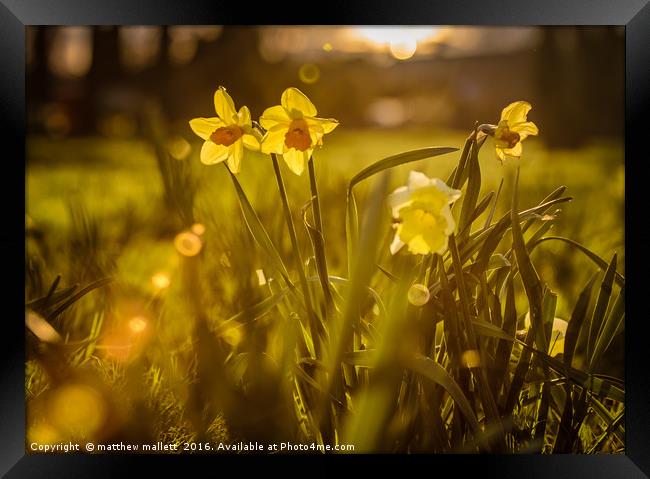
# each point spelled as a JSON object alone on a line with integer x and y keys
{"x": 577, "y": 319}
{"x": 620, "y": 280}
{"x": 299, "y": 265}
{"x": 607, "y": 332}
{"x": 601, "y": 308}
{"x": 258, "y": 231}
{"x": 472, "y": 192}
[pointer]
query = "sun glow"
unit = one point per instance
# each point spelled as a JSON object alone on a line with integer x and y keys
{"x": 401, "y": 42}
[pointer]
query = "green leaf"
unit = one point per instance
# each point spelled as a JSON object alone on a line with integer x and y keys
{"x": 77, "y": 296}
{"x": 620, "y": 280}
{"x": 400, "y": 159}
{"x": 458, "y": 176}
{"x": 351, "y": 227}
{"x": 596, "y": 385}
{"x": 471, "y": 194}
{"x": 608, "y": 331}
{"x": 601, "y": 307}
{"x": 478, "y": 211}
{"x": 497, "y": 261}
{"x": 318, "y": 244}
{"x": 529, "y": 277}
{"x": 483, "y": 328}
{"x": 488, "y": 220}
{"x": 577, "y": 319}
{"x": 252, "y": 313}
{"x": 256, "y": 228}
{"x": 435, "y": 372}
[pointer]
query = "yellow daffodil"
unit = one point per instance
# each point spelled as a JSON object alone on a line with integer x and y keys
{"x": 293, "y": 129}
{"x": 512, "y": 129}
{"x": 226, "y": 135}
{"x": 422, "y": 215}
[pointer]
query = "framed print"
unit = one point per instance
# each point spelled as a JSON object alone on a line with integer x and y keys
{"x": 390, "y": 232}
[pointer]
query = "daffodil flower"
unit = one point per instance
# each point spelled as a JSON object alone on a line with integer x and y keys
{"x": 226, "y": 135}
{"x": 293, "y": 130}
{"x": 512, "y": 129}
{"x": 422, "y": 216}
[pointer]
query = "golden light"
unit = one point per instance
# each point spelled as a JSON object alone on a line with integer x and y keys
{"x": 327, "y": 46}
{"x": 137, "y": 324}
{"x": 160, "y": 281}
{"x": 77, "y": 409}
{"x": 198, "y": 228}
{"x": 41, "y": 328}
{"x": 70, "y": 53}
{"x": 43, "y": 433}
{"x": 188, "y": 243}
{"x": 471, "y": 359}
{"x": 139, "y": 46}
{"x": 402, "y": 42}
{"x": 403, "y": 50}
{"x": 233, "y": 335}
{"x": 261, "y": 278}
{"x": 418, "y": 295}
{"x": 178, "y": 147}
{"x": 309, "y": 73}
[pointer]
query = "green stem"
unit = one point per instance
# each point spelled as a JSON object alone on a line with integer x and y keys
{"x": 318, "y": 224}
{"x": 294, "y": 238}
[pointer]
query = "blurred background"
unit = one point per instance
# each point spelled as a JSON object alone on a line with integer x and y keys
{"x": 88, "y": 80}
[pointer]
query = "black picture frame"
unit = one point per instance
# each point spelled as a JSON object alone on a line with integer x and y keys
{"x": 634, "y": 15}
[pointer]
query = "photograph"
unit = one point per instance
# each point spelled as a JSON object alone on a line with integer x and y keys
{"x": 325, "y": 239}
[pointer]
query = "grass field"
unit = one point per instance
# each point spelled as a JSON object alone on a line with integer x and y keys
{"x": 105, "y": 208}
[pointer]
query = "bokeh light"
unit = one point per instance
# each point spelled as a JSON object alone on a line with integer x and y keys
{"x": 418, "y": 295}
{"x": 41, "y": 328}
{"x": 471, "y": 358}
{"x": 198, "y": 229}
{"x": 71, "y": 52}
{"x": 309, "y": 73}
{"x": 137, "y": 324}
{"x": 403, "y": 50}
{"x": 160, "y": 280}
{"x": 77, "y": 409}
{"x": 188, "y": 243}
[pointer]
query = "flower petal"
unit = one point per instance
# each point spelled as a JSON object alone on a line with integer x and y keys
{"x": 398, "y": 198}
{"x": 524, "y": 129}
{"x": 514, "y": 152}
{"x": 296, "y": 159}
{"x": 396, "y": 245}
{"x": 418, "y": 180}
{"x": 235, "y": 156}
{"x": 316, "y": 134}
{"x": 273, "y": 116}
{"x": 224, "y": 106}
{"x": 297, "y": 104}
{"x": 251, "y": 142}
{"x": 244, "y": 116}
{"x": 204, "y": 127}
{"x": 273, "y": 141}
{"x": 451, "y": 224}
{"x": 418, "y": 245}
{"x": 452, "y": 194}
{"x": 516, "y": 112}
{"x": 212, "y": 153}
{"x": 327, "y": 124}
